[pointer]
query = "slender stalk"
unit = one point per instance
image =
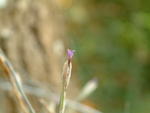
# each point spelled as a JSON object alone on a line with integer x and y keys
{"x": 67, "y": 68}
{"x": 62, "y": 101}
{"x": 16, "y": 83}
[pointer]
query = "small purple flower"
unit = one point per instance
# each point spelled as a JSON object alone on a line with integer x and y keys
{"x": 70, "y": 54}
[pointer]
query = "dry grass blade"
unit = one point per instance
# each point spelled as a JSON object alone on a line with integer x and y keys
{"x": 44, "y": 93}
{"x": 88, "y": 89}
{"x": 16, "y": 83}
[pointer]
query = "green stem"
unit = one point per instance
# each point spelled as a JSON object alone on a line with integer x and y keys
{"x": 62, "y": 101}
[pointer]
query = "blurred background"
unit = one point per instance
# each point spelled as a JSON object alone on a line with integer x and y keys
{"x": 111, "y": 40}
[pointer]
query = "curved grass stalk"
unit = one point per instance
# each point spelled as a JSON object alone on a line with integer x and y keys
{"x": 16, "y": 83}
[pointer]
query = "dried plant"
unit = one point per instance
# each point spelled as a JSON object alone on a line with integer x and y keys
{"x": 65, "y": 81}
{"x": 16, "y": 83}
{"x": 20, "y": 89}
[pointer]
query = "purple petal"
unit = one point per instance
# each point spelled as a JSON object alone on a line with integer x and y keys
{"x": 70, "y": 53}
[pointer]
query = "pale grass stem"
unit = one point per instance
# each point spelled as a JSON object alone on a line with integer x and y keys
{"x": 16, "y": 83}
{"x": 67, "y": 68}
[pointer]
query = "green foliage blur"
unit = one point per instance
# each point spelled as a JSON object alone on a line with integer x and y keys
{"x": 112, "y": 43}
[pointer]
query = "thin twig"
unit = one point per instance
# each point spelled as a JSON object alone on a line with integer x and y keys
{"x": 16, "y": 83}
